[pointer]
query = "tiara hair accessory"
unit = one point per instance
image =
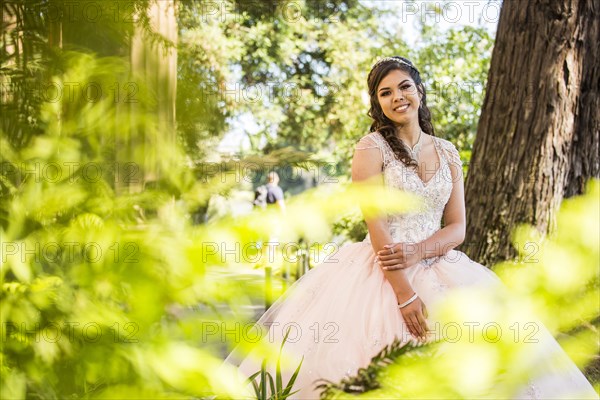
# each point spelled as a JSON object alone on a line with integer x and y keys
{"x": 397, "y": 59}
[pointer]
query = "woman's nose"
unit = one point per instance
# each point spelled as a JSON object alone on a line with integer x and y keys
{"x": 398, "y": 94}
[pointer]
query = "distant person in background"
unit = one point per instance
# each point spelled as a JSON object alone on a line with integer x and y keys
{"x": 274, "y": 192}
{"x": 270, "y": 193}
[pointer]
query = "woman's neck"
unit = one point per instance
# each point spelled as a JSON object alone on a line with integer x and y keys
{"x": 409, "y": 134}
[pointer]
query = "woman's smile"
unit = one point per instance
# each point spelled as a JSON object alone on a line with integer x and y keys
{"x": 398, "y": 97}
{"x": 401, "y": 108}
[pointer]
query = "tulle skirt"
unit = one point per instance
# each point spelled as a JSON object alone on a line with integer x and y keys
{"x": 344, "y": 311}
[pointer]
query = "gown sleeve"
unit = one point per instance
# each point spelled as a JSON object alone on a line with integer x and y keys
{"x": 366, "y": 142}
{"x": 371, "y": 141}
{"x": 451, "y": 153}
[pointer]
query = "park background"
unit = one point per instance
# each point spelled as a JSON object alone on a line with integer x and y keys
{"x": 135, "y": 132}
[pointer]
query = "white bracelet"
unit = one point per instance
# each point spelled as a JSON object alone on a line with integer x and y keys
{"x": 407, "y": 302}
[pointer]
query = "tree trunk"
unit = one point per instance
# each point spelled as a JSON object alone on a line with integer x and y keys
{"x": 585, "y": 160}
{"x": 156, "y": 66}
{"x": 537, "y": 139}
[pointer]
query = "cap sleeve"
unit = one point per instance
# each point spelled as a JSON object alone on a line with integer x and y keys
{"x": 374, "y": 141}
{"x": 451, "y": 152}
{"x": 366, "y": 142}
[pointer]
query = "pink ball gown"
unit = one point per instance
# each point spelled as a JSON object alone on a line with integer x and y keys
{"x": 344, "y": 311}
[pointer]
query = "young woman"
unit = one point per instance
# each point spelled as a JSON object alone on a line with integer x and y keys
{"x": 347, "y": 309}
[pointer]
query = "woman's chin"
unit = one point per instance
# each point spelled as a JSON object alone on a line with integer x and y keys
{"x": 404, "y": 120}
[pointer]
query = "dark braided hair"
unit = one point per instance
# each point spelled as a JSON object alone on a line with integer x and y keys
{"x": 383, "y": 124}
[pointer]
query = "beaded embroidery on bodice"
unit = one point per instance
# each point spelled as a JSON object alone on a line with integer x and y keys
{"x": 416, "y": 226}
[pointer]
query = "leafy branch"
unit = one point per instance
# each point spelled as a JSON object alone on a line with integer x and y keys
{"x": 366, "y": 379}
{"x": 277, "y": 390}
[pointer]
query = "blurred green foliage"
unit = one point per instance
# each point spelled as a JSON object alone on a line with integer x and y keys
{"x": 98, "y": 285}
{"x": 36, "y": 32}
{"x": 85, "y": 281}
{"x": 300, "y": 71}
{"x": 115, "y": 293}
{"x": 351, "y": 227}
{"x": 275, "y": 388}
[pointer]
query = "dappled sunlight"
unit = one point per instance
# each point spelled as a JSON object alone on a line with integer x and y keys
{"x": 116, "y": 278}
{"x": 127, "y": 271}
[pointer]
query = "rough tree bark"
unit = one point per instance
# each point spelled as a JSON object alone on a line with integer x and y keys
{"x": 538, "y": 136}
{"x": 585, "y": 157}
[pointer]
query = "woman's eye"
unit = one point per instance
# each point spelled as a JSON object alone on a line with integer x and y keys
{"x": 404, "y": 87}
{"x": 385, "y": 93}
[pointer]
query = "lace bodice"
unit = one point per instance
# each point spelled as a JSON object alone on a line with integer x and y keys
{"x": 416, "y": 226}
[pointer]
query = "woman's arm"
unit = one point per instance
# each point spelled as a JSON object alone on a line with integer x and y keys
{"x": 367, "y": 165}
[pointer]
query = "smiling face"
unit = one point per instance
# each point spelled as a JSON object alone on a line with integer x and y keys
{"x": 399, "y": 98}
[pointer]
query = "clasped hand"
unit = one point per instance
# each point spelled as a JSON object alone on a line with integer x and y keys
{"x": 399, "y": 256}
